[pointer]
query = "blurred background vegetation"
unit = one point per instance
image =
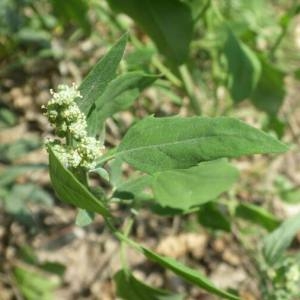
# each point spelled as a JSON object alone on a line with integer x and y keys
{"x": 235, "y": 58}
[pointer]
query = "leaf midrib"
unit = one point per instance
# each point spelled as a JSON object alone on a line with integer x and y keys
{"x": 192, "y": 140}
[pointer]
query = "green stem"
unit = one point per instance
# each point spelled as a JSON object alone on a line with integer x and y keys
{"x": 284, "y": 28}
{"x": 188, "y": 86}
{"x": 278, "y": 42}
{"x": 158, "y": 64}
{"x": 166, "y": 72}
{"x": 122, "y": 237}
{"x": 127, "y": 230}
{"x": 69, "y": 140}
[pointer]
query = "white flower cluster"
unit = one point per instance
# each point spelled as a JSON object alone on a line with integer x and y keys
{"x": 69, "y": 122}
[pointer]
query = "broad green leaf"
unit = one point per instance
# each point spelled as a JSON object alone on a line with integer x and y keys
{"x": 279, "y": 240}
{"x": 166, "y": 211}
{"x": 188, "y": 274}
{"x": 186, "y": 188}
{"x": 97, "y": 79}
{"x": 158, "y": 144}
{"x": 129, "y": 288}
{"x": 198, "y": 7}
{"x": 270, "y": 90}
{"x": 84, "y": 217}
{"x": 169, "y": 23}
{"x": 72, "y": 191}
{"x": 257, "y": 215}
{"x": 119, "y": 94}
{"x": 134, "y": 188}
{"x": 243, "y": 66}
{"x": 213, "y": 215}
{"x": 115, "y": 171}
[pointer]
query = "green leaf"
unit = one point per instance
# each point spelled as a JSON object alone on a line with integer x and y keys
{"x": 276, "y": 125}
{"x": 279, "y": 240}
{"x": 38, "y": 37}
{"x": 33, "y": 285}
{"x": 158, "y": 144}
{"x": 72, "y": 191}
{"x": 166, "y": 211}
{"x": 101, "y": 172}
{"x": 28, "y": 255}
{"x": 213, "y": 215}
{"x": 188, "y": 274}
{"x": 97, "y": 79}
{"x": 169, "y": 23}
{"x": 167, "y": 92}
{"x": 129, "y": 288}
{"x": 119, "y": 94}
{"x": 270, "y": 90}
{"x": 84, "y": 218}
{"x": 287, "y": 191}
{"x": 7, "y": 117}
{"x": 115, "y": 171}
{"x": 53, "y": 267}
{"x": 139, "y": 58}
{"x": 17, "y": 197}
{"x": 194, "y": 186}
{"x": 74, "y": 10}
{"x": 134, "y": 188}
{"x": 297, "y": 74}
{"x": 291, "y": 196}
{"x": 257, "y": 215}
{"x": 198, "y": 7}
{"x": 243, "y": 66}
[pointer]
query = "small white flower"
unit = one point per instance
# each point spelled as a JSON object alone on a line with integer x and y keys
{"x": 74, "y": 158}
{"x": 65, "y": 95}
{"x": 61, "y": 153}
{"x": 72, "y": 113}
{"x": 67, "y": 120}
{"x": 78, "y": 129}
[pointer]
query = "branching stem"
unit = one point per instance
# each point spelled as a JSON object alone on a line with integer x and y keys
{"x": 188, "y": 86}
